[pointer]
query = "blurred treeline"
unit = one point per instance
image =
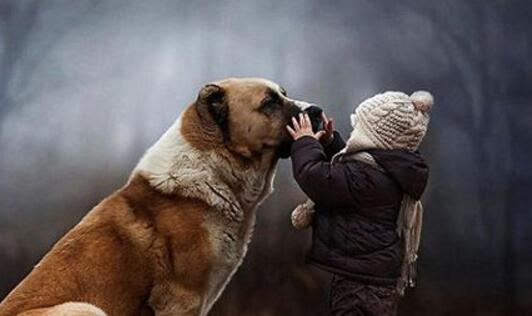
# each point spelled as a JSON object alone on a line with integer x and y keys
{"x": 86, "y": 86}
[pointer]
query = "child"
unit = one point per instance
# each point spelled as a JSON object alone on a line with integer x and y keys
{"x": 367, "y": 218}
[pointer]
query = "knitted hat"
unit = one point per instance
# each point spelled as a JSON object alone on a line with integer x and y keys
{"x": 390, "y": 120}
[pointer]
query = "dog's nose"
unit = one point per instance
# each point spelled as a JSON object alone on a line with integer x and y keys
{"x": 313, "y": 110}
{"x": 314, "y": 113}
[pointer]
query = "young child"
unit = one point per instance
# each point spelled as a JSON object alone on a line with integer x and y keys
{"x": 366, "y": 214}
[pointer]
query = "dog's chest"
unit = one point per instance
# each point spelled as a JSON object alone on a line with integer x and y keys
{"x": 229, "y": 242}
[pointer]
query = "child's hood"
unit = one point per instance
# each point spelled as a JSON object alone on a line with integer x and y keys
{"x": 408, "y": 168}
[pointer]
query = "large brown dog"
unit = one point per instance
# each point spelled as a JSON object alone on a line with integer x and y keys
{"x": 168, "y": 242}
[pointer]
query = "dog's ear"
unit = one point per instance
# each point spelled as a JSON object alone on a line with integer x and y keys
{"x": 211, "y": 104}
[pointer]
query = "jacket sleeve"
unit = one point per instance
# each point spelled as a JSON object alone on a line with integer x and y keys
{"x": 327, "y": 185}
{"x": 334, "y": 146}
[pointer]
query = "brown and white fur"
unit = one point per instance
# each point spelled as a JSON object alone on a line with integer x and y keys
{"x": 168, "y": 242}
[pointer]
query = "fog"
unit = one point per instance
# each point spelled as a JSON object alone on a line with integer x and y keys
{"x": 87, "y": 86}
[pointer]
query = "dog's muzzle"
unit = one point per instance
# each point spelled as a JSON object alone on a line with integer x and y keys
{"x": 314, "y": 113}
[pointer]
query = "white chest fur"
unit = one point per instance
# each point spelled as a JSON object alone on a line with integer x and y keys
{"x": 229, "y": 244}
{"x": 172, "y": 165}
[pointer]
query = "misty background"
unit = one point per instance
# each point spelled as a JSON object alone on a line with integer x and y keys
{"x": 87, "y": 86}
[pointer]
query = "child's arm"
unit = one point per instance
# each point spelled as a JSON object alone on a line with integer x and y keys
{"x": 323, "y": 183}
{"x": 336, "y": 144}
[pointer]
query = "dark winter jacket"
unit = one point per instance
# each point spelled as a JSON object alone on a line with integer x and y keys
{"x": 354, "y": 227}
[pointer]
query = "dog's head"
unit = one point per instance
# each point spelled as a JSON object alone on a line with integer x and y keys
{"x": 250, "y": 115}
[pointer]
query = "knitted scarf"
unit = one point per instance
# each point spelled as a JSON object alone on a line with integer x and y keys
{"x": 409, "y": 221}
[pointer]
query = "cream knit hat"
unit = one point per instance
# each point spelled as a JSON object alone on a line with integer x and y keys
{"x": 390, "y": 120}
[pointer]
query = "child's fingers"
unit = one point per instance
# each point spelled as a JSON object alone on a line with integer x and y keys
{"x": 291, "y": 131}
{"x": 307, "y": 121}
{"x": 324, "y": 119}
{"x": 296, "y": 124}
{"x": 330, "y": 125}
{"x": 319, "y": 134}
{"x": 302, "y": 120}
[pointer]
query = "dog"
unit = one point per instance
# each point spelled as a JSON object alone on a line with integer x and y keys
{"x": 169, "y": 241}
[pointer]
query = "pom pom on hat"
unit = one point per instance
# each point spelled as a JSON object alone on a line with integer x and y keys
{"x": 422, "y": 100}
{"x": 302, "y": 215}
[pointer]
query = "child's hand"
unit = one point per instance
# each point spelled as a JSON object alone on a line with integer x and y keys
{"x": 328, "y": 125}
{"x": 303, "y": 128}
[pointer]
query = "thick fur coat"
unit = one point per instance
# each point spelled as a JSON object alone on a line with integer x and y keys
{"x": 168, "y": 242}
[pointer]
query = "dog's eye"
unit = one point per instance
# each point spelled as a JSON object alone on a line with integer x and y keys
{"x": 269, "y": 105}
